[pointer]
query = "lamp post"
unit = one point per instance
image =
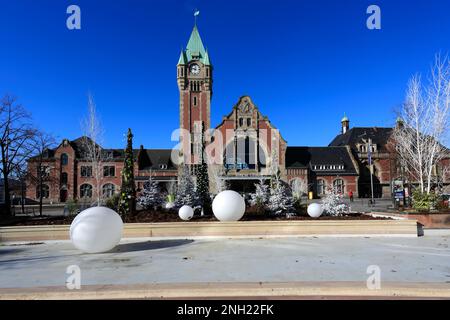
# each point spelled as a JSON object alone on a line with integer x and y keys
{"x": 369, "y": 154}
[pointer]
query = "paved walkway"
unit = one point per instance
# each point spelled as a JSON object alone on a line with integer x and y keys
{"x": 141, "y": 261}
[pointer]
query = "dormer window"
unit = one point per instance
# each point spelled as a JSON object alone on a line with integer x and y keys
{"x": 163, "y": 166}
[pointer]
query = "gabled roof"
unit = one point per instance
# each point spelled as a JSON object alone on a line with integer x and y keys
{"x": 307, "y": 157}
{"x": 156, "y": 159}
{"x": 379, "y": 136}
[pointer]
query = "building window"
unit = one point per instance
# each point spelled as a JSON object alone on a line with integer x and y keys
{"x": 108, "y": 190}
{"x": 45, "y": 192}
{"x": 195, "y": 101}
{"x": 338, "y": 186}
{"x": 241, "y": 122}
{"x": 45, "y": 172}
{"x": 109, "y": 171}
{"x": 163, "y": 166}
{"x": 86, "y": 171}
{"x": 64, "y": 178}
{"x": 85, "y": 191}
{"x": 249, "y": 122}
{"x": 321, "y": 186}
{"x": 64, "y": 159}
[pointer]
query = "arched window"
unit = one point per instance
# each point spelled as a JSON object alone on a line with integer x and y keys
{"x": 64, "y": 159}
{"x": 45, "y": 192}
{"x": 338, "y": 186}
{"x": 321, "y": 186}
{"x": 85, "y": 191}
{"x": 64, "y": 178}
{"x": 108, "y": 190}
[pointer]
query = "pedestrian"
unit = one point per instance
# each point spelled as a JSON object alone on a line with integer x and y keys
{"x": 350, "y": 195}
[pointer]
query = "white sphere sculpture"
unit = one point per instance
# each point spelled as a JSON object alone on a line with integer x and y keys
{"x": 97, "y": 229}
{"x": 228, "y": 205}
{"x": 315, "y": 210}
{"x": 186, "y": 213}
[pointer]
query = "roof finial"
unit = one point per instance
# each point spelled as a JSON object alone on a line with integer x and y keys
{"x": 196, "y": 13}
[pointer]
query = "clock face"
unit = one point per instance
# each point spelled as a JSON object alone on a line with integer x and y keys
{"x": 195, "y": 69}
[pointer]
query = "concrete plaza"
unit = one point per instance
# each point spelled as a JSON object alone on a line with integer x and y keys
{"x": 163, "y": 261}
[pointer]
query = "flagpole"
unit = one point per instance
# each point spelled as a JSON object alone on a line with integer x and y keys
{"x": 196, "y": 13}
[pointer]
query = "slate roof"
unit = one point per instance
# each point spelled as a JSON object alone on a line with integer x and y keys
{"x": 149, "y": 159}
{"x": 307, "y": 157}
{"x": 153, "y": 159}
{"x": 379, "y": 136}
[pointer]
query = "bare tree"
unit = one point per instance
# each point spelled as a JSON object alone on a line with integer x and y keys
{"x": 424, "y": 125}
{"x": 15, "y": 134}
{"x": 93, "y": 153}
{"x": 38, "y": 173}
{"x": 299, "y": 188}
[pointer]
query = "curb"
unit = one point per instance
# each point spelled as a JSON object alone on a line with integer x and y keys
{"x": 294, "y": 290}
{"x": 356, "y": 228}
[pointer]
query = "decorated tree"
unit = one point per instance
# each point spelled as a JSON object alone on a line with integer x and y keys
{"x": 151, "y": 195}
{"x": 127, "y": 191}
{"x": 260, "y": 198}
{"x": 202, "y": 179}
{"x": 332, "y": 203}
{"x": 186, "y": 194}
{"x": 280, "y": 200}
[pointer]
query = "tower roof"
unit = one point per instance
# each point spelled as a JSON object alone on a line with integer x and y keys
{"x": 194, "y": 49}
{"x": 344, "y": 119}
{"x": 195, "y": 45}
{"x": 182, "y": 59}
{"x": 206, "y": 59}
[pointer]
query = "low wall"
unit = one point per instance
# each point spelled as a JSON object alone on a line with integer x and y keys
{"x": 432, "y": 220}
{"x": 229, "y": 229}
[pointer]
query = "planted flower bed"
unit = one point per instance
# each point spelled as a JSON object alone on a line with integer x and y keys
{"x": 147, "y": 216}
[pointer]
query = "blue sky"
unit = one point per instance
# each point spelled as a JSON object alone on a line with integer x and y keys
{"x": 304, "y": 63}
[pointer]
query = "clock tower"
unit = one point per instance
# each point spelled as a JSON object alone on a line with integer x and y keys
{"x": 194, "y": 77}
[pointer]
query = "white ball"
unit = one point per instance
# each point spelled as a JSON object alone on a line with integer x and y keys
{"x": 315, "y": 210}
{"x": 186, "y": 213}
{"x": 97, "y": 229}
{"x": 228, "y": 205}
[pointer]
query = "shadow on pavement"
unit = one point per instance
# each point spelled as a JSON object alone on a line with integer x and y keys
{"x": 10, "y": 250}
{"x": 149, "y": 245}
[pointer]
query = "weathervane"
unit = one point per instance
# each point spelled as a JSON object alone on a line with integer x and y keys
{"x": 196, "y": 13}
